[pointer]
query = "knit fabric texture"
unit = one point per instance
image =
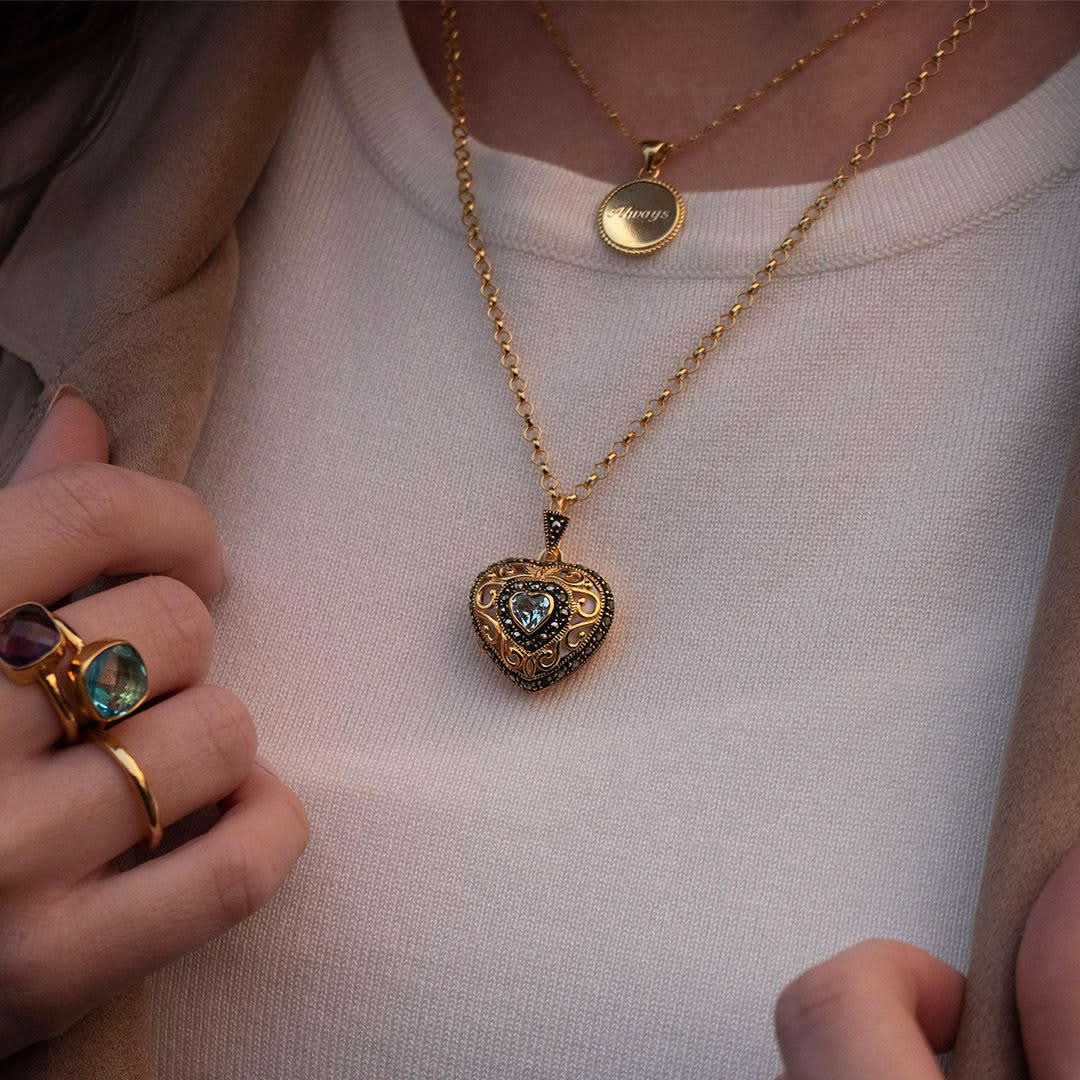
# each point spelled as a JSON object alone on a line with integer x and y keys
{"x": 825, "y": 560}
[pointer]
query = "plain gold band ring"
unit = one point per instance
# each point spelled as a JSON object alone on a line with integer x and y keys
{"x": 137, "y": 779}
{"x": 69, "y": 721}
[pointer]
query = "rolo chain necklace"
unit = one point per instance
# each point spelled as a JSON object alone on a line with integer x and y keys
{"x": 646, "y": 214}
{"x": 541, "y": 618}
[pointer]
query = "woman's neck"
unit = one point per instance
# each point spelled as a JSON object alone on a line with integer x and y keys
{"x": 669, "y": 66}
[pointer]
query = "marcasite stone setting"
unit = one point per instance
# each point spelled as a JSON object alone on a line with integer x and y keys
{"x": 582, "y": 612}
{"x": 541, "y": 619}
{"x": 530, "y": 611}
{"x": 533, "y": 613}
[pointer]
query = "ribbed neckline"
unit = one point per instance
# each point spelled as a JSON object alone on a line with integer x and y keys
{"x": 529, "y": 205}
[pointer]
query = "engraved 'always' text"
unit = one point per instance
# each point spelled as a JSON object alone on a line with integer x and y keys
{"x": 629, "y": 213}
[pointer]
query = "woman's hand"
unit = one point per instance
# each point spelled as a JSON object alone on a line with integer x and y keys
{"x": 72, "y": 932}
{"x": 883, "y": 1009}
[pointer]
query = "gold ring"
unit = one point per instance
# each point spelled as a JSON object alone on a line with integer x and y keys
{"x": 137, "y": 778}
{"x": 98, "y": 684}
{"x": 32, "y": 646}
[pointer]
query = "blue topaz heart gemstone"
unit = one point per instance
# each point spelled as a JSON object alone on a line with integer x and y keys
{"x": 530, "y": 610}
{"x": 533, "y": 613}
{"x": 115, "y": 681}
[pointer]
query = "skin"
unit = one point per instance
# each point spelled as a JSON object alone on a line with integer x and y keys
{"x": 74, "y": 931}
{"x": 798, "y": 133}
{"x": 882, "y": 1008}
{"x": 885, "y": 1008}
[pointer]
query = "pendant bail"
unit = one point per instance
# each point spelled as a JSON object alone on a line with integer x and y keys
{"x": 654, "y": 153}
{"x": 554, "y": 527}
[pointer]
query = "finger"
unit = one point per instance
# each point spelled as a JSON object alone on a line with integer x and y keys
{"x": 113, "y": 930}
{"x": 60, "y": 529}
{"x": 194, "y": 748}
{"x": 1047, "y": 988}
{"x": 880, "y": 1008}
{"x": 165, "y": 621}
{"x": 71, "y": 431}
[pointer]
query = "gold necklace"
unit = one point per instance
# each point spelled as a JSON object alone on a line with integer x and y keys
{"x": 540, "y": 619}
{"x": 646, "y": 214}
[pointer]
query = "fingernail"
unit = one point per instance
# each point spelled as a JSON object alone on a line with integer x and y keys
{"x": 65, "y": 390}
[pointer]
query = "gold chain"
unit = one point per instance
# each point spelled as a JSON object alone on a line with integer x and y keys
{"x": 674, "y": 384}
{"x": 797, "y": 65}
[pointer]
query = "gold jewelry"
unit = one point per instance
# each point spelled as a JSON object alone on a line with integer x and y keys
{"x": 646, "y": 214}
{"x": 556, "y": 657}
{"x": 540, "y": 619}
{"x": 32, "y": 646}
{"x": 137, "y": 779}
{"x": 106, "y": 679}
{"x": 97, "y": 684}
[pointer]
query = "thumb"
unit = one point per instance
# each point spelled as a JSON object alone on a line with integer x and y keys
{"x": 1047, "y": 988}
{"x": 70, "y": 432}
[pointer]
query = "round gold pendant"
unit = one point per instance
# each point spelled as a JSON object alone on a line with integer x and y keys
{"x": 641, "y": 217}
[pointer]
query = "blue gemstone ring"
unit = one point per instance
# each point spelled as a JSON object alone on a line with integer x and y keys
{"x": 89, "y": 684}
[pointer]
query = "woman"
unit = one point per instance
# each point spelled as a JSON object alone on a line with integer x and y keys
{"x": 826, "y": 558}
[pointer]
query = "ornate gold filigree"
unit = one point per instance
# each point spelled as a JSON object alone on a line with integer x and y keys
{"x": 533, "y": 661}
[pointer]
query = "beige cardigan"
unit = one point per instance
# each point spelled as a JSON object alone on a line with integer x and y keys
{"x": 120, "y": 278}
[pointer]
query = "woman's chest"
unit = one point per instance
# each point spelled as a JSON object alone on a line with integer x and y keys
{"x": 825, "y": 560}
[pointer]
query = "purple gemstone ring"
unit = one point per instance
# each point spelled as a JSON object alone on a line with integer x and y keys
{"x": 95, "y": 684}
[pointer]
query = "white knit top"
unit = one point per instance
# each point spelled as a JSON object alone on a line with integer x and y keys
{"x": 825, "y": 560}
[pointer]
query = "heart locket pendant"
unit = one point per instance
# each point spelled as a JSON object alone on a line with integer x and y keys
{"x": 540, "y": 619}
